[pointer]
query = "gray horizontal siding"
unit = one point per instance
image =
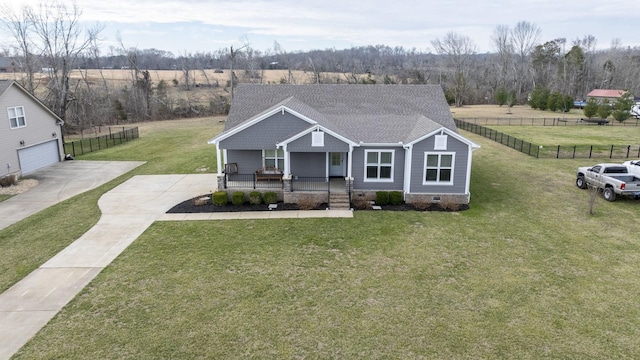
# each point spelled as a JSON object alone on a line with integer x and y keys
{"x": 459, "y": 174}
{"x": 309, "y": 164}
{"x": 359, "y": 170}
{"x": 266, "y": 133}
{"x": 248, "y": 160}
{"x": 331, "y": 144}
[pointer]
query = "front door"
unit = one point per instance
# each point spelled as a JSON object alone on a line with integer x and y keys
{"x": 337, "y": 164}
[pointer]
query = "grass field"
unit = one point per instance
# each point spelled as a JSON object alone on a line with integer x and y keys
{"x": 525, "y": 273}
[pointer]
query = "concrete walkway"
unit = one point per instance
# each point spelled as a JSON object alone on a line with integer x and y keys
{"x": 127, "y": 211}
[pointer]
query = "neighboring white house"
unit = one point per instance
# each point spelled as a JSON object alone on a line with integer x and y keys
{"x": 30, "y": 133}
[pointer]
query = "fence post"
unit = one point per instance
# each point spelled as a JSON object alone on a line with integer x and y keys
{"x": 574, "y": 151}
{"x": 558, "y": 153}
{"x": 628, "y": 150}
{"x": 590, "y": 151}
{"x": 611, "y": 152}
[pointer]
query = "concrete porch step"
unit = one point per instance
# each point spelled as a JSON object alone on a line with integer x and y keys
{"x": 339, "y": 201}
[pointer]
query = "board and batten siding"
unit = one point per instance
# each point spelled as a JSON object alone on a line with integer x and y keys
{"x": 331, "y": 144}
{"x": 266, "y": 133}
{"x": 40, "y": 127}
{"x": 309, "y": 164}
{"x": 359, "y": 170}
{"x": 461, "y": 151}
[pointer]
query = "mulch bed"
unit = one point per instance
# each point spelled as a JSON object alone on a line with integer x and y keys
{"x": 190, "y": 207}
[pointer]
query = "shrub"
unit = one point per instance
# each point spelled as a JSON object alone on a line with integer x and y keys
{"x": 590, "y": 109}
{"x": 220, "y": 198}
{"x": 395, "y": 197}
{"x": 361, "y": 203}
{"x": 449, "y": 203}
{"x": 5, "y": 181}
{"x": 382, "y": 198}
{"x": 421, "y": 205}
{"x": 604, "y": 109}
{"x": 270, "y": 197}
{"x": 237, "y": 198}
{"x": 255, "y": 198}
{"x": 307, "y": 202}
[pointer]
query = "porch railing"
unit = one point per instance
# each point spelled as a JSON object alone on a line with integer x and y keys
{"x": 299, "y": 183}
{"x": 249, "y": 181}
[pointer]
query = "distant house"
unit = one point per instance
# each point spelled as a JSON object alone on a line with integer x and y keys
{"x": 365, "y": 138}
{"x": 7, "y": 65}
{"x": 30, "y": 133}
{"x": 602, "y": 94}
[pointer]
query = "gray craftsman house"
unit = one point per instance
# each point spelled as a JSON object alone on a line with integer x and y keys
{"x": 30, "y": 133}
{"x": 358, "y": 138}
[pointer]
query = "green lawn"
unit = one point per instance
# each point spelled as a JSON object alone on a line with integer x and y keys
{"x": 525, "y": 273}
{"x": 574, "y": 135}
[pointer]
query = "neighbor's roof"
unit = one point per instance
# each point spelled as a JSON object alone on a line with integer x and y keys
{"x": 606, "y": 93}
{"x": 362, "y": 113}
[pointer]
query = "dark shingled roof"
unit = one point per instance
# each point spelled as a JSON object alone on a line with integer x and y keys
{"x": 362, "y": 113}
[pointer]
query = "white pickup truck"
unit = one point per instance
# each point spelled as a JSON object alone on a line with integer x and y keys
{"x": 612, "y": 179}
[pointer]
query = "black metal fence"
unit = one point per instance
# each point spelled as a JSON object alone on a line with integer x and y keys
{"x": 546, "y": 121}
{"x": 84, "y": 146}
{"x": 553, "y": 152}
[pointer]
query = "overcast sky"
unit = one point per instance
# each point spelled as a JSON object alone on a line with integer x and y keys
{"x": 186, "y": 26}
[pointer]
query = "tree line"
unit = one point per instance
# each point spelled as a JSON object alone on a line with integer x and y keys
{"x": 50, "y": 38}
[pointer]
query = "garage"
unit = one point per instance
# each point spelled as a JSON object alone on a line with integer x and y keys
{"x": 38, "y": 156}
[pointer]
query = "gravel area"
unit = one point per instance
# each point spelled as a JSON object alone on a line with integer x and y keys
{"x": 21, "y": 187}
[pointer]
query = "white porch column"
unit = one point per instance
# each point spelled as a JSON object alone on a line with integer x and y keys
{"x": 408, "y": 154}
{"x": 219, "y": 159}
{"x": 350, "y": 162}
{"x": 287, "y": 160}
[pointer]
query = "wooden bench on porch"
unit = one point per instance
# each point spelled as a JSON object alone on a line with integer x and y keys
{"x": 268, "y": 173}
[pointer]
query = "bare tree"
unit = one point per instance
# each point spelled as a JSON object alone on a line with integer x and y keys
{"x": 504, "y": 49}
{"x": 458, "y": 49}
{"x": 524, "y": 37}
{"x": 233, "y": 54}
{"x": 20, "y": 28}
{"x": 61, "y": 41}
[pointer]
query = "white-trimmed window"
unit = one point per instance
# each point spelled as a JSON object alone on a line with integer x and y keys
{"x": 378, "y": 165}
{"x": 16, "y": 117}
{"x": 274, "y": 158}
{"x": 438, "y": 168}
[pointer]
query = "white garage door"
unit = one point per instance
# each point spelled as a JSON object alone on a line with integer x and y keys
{"x": 38, "y": 156}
